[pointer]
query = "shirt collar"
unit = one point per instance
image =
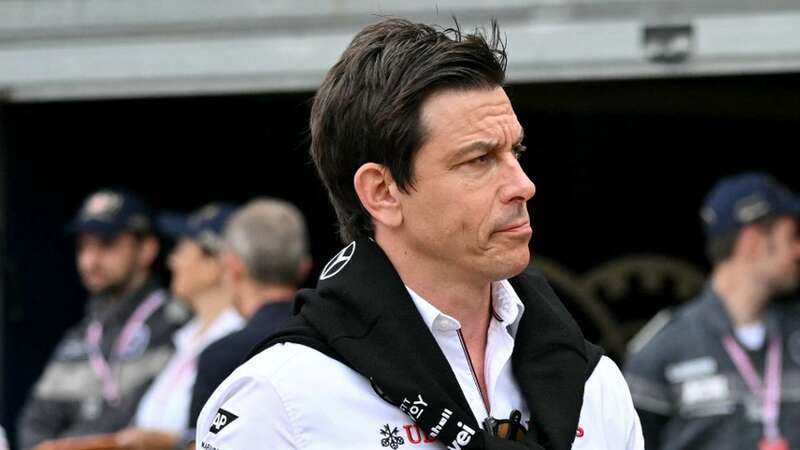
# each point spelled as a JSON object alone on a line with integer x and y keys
{"x": 227, "y": 322}
{"x": 507, "y": 308}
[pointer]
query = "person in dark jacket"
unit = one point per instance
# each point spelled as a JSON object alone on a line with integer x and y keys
{"x": 100, "y": 369}
{"x": 724, "y": 371}
{"x": 266, "y": 258}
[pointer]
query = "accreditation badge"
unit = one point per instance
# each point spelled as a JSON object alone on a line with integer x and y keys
{"x": 773, "y": 444}
{"x": 91, "y": 406}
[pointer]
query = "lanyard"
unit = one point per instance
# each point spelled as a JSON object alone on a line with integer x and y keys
{"x": 768, "y": 394}
{"x": 94, "y": 335}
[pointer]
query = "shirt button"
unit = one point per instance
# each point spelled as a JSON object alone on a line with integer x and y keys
{"x": 444, "y": 324}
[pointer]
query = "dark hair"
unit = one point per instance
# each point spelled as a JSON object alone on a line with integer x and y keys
{"x": 720, "y": 248}
{"x": 367, "y": 108}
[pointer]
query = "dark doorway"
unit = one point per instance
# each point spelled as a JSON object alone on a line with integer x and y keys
{"x": 620, "y": 168}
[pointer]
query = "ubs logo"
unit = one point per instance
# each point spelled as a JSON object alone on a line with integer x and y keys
{"x": 338, "y": 262}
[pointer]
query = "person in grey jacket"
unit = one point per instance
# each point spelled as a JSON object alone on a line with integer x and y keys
{"x": 724, "y": 372}
{"x": 103, "y": 365}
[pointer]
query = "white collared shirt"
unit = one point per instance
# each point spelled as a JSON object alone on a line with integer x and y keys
{"x": 165, "y": 405}
{"x": 293, "y": 397}
{"x": 503, "y": 392}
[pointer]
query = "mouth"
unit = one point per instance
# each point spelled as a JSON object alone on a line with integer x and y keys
{"x": 520, "y": 227}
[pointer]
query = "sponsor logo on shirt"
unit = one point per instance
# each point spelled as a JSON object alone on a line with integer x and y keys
{"x": 446, "y": 414}
{"x": 208, "y": 446}
{"x": 463, "y": 438}
{"x": 391, "y": 438}
{"x": 221, "y": 420}
{"x": 415, "y": 436}
{"x": 414, "y": 408}
{"x": 337, "y": 263}
{"x": 691, "y": 369}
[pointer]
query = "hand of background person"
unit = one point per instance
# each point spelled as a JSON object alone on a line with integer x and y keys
{"x": 145, "y": 439}
{"x": 94, "y": 442}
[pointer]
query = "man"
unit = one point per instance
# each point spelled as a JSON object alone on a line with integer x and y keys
{"x": 425, "y": 330}
{"x": 104, "y": 364}
{"x": 265, "y": 258}
{"x": 724, "y": 370}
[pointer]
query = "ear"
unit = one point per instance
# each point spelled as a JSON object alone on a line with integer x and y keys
{"x": 304, "y": 269}
{"x": 750, "y": 242}
{"x": 378, "y": 194}
{"x": 232, "y": 267}
{"x": 148, "y": 251}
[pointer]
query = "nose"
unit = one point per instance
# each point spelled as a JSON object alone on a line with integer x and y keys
{"x": 172, "y": 260}
{"x": 517, "y": 187}
{"x": 87, "y": 257}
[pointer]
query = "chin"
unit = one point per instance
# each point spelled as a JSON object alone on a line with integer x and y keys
{"x": 511, "y": 264}
{"x": 95, "y": 287}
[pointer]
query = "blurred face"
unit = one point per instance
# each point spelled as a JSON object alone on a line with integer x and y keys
{"x": 193, "y": 270}
{"x": 108, "y": 265}
{"x": 467, "y": 208}
{"x": 780, "y": 264}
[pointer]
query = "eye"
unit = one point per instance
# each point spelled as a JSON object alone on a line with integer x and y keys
{"x": 483, "y": 159}
{"x": 518, "y": 151}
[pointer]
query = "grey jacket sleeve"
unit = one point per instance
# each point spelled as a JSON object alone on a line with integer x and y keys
{"x": 40, "y": 420}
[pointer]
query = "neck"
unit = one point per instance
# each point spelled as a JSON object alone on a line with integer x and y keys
{"x": 209, "y": 304}
{"x": 134, "y": 284}
{"x": 463, "y": 296}
{"x": 253, "y": 296}
{"x": 743, "y": 299}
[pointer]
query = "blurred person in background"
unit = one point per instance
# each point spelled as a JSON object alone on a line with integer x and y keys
{"x": 197, "y": 279}
{"x": 102, "y": 367}
{"x": 3, "y": 440}
{"x": 724, "y": 372}
{"x": 266, "y": 257}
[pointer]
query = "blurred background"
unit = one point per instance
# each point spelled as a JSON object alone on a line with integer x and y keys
{"x": 632, "y": 109}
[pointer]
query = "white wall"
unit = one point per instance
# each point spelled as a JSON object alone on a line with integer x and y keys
{"x": 68, "y": 49}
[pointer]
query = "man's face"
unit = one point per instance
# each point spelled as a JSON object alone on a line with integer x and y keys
{"x": 781, "y": 262}
{"x": 467, "y": 211}
{"x": 193, "y": 270}
{"x": 107, "y": 265}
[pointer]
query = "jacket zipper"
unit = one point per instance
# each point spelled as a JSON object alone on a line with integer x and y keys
{"x": 472, "y": 371}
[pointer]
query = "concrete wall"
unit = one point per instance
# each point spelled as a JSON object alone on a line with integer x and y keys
{"x": 71, "y": 49}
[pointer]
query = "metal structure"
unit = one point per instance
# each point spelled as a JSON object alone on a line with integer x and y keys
{"x": 85, "y": 49}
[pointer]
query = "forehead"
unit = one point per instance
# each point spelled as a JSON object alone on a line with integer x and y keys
{"x": 470, "y": 114}
{"x": 104, "y": 241}
{"x": 790, "y": 224}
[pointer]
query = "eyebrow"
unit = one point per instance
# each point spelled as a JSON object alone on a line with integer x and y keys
{"x": 485, "y": 146}
{"x": 521, "y": 137}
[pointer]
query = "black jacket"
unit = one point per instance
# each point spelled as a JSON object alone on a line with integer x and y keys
{"x": 364, "y": 308}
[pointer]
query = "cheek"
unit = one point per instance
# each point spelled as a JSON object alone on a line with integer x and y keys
{"x": 82, "y": 261}
{"x": 207, "y": 273}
